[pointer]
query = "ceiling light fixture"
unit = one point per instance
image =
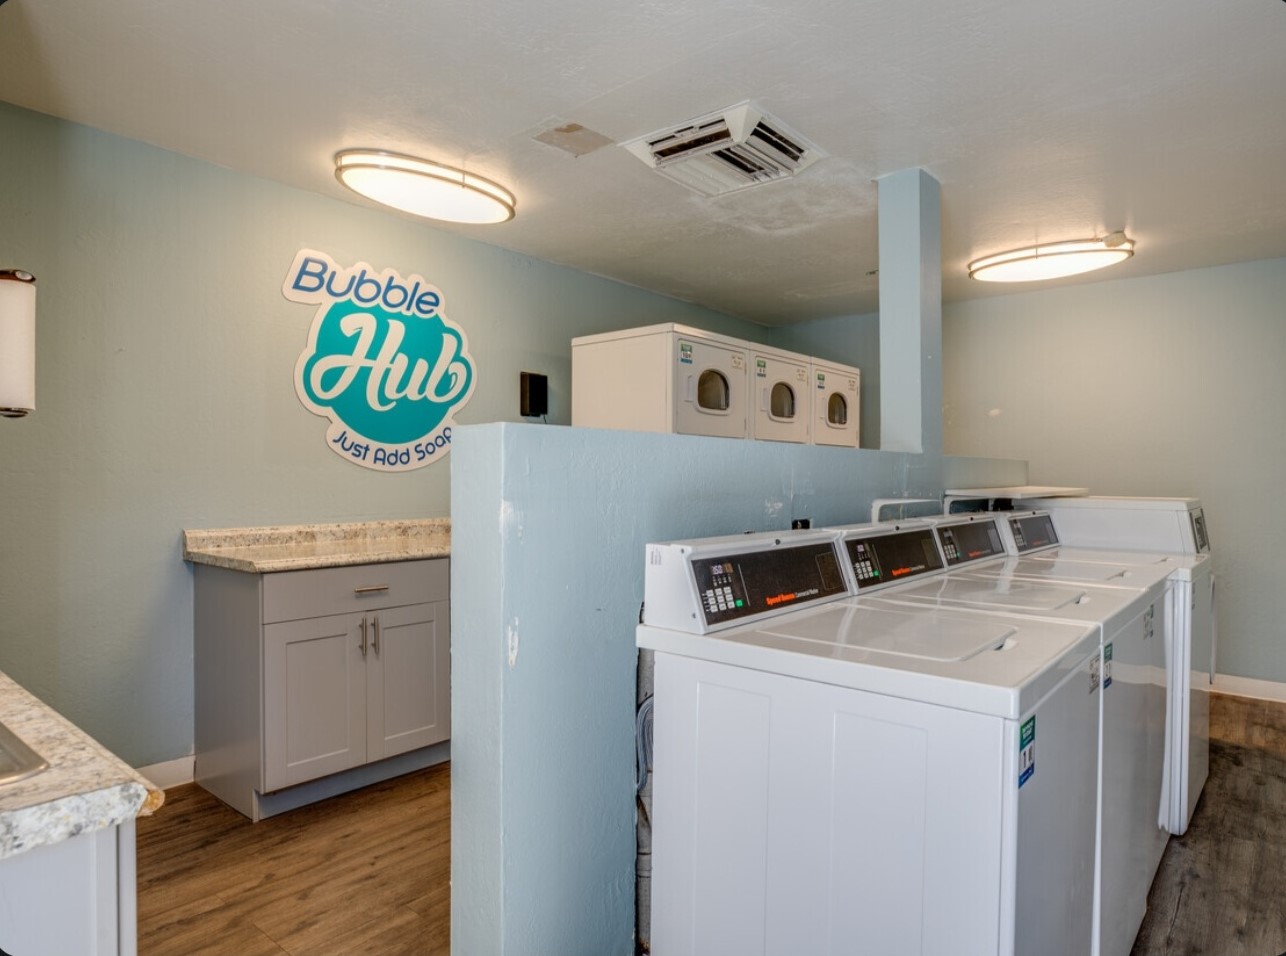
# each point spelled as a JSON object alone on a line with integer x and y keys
{"x": 422, "y": 187}
{"x": 1053, "y": 260}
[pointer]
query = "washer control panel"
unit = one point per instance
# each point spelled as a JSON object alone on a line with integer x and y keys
{"x": 966, "y": 542}
{"x": 735, "y": 586}
{"x": 882, "y": 559}
{"x": 1199, "y": 534}
{"x": 1033, "y": 532}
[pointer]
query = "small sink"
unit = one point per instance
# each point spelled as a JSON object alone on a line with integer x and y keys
{"x": 17, "y": 760}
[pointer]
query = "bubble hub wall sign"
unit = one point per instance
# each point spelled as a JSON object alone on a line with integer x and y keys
{"x": 383, "y": 362}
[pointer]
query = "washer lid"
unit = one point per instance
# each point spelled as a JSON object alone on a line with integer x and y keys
{"x": 1132, "y": 559}
{"x": 1060, "y": 569}
{"x": 996, "y": 664}
{"x": 991, "y": 592}
{"x": 927, "y": 635}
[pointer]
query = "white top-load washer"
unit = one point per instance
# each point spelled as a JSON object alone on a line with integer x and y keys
{"x": 779, "y": 395}
{"x": 833, "y": 771}
{"x": 836, "y": 404}
{"x": 1129, "y": 621}
{"x": 1170, "y": 525}
{"x": 1190, "y": 619}
{"x": 661, "y": 378}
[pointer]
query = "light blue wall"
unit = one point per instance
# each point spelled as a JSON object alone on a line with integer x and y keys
{"x": 1167, "y": 385}
{"x": 165, "y": 399}
{"x": 547, "y": 579}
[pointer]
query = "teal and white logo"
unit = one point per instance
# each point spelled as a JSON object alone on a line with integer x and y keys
{"x": 383, "y": 362}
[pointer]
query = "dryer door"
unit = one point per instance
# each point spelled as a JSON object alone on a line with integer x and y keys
{"x": 836, "y": 408}
{"x": 711, "y": 383}
{"x": 781, "y": 407}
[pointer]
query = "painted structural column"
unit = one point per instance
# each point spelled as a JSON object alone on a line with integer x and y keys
{"x": 910, "y": 312}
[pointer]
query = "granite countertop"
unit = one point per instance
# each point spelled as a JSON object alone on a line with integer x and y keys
{"x": 85, "y": 788}
{"x": 299, "y": 547}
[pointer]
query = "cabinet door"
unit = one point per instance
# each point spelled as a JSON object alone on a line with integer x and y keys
{"x": 409, "y": 680}
{"x": 63, "y": 898}
{"x": 314, "y": 699}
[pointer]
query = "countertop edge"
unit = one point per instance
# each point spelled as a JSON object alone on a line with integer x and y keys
{"x": 61, "y": 819}
{"x": 85, "y": 788}
{"x": 274, "y": 548}
{"x": 234, "y": 562}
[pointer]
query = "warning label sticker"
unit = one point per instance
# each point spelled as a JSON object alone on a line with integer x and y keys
{"x": 1107, "y": 666}
{"x": 1026, "y": 750}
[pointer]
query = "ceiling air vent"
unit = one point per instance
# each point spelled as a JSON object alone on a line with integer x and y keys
{"x": 726, "y": 151}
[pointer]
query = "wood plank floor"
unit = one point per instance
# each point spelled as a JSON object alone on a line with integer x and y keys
{"x": 366, "y": 872}
{"x": 1221, "y": 887}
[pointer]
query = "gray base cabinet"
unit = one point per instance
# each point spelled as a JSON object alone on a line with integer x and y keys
{"x": 305, "y": 675}
{"x": 75, "y": 897}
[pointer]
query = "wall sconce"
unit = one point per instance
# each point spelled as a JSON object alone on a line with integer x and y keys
{"x": 422, "y": 187}
{"x": 1053, "y": 260}
{"x": 17, "y": 343}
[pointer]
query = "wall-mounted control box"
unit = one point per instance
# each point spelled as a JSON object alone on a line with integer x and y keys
{"x": 533, "y": 394}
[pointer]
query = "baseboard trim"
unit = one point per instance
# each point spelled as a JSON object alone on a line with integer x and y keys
{"x": 171, "y": 773}
{"x": 1250, "y": 687}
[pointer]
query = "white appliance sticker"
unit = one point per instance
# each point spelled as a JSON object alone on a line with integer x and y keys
{"x": 1094, "y": 673}
{"x": 1026, "y": 750}
{"x": 1107, "y": 667}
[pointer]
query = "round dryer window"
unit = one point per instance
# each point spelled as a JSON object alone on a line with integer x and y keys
{"x": 782, "y": 403}
{"x": 713, "y": 392}
{"x": 837, "y": 409}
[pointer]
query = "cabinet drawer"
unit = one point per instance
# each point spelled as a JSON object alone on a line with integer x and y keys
{"x": 293, "y": 595}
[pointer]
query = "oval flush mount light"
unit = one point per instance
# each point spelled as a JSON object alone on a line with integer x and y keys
{"x": 1053, "y": 260}
{"x": 422, "y": 187}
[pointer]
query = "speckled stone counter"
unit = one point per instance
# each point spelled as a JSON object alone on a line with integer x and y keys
{"x": 298, "y": 547}
{"x": 85, "y": 787}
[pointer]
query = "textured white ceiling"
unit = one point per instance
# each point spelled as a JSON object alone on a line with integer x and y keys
{"x": 1042, "y": 120}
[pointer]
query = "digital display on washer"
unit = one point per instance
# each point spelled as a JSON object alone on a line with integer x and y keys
{"x": 962, "y": 543}
{"x": 893, "y": 557}
{"x": 1199, "y": 530}
{"x": 739, "y": 585}
{"x": 1032, "y": 532}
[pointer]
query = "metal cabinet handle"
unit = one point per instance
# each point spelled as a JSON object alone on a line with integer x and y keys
{"x": 375, "y": 629}
{"x": 362, "y": 627}
{"x": 371, "y": 589}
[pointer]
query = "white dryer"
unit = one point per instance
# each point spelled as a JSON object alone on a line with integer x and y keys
{"x": 836, "y": 404}
{"x": 1129, "y": 622}
{"x": 830, "y": 770}
{"x": 1190, "y": 617}
{"x": 661, "y": 378}
{"x": 780, "y": 397}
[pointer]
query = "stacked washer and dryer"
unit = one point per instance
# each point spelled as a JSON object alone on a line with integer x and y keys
{"x": 672, "y": 378}
{"x": 856, "y": 755}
